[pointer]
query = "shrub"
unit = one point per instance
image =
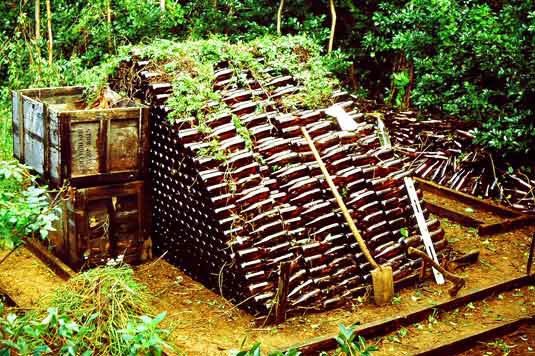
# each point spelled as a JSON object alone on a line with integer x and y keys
{"x": 470, "y": 61}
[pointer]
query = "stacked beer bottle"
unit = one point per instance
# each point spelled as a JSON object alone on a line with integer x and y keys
{"x": 229, "y": 222}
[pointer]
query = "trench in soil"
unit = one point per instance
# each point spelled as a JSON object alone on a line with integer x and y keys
{"x": 204, "y": 323}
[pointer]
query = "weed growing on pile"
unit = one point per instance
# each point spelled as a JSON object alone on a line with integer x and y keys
{"x": 190, "y": 66}
{"x": 99, "y": 312}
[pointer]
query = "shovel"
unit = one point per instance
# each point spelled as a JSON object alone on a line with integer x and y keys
{"x": 382, "y": 277}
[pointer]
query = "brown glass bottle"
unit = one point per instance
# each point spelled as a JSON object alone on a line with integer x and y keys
{"x": 252, "y": 196}
{"x": 272, "y": 240}
{"x": 268, "y": 229}
{"x": 373, "y": 218}
{"x": 300, "y": 288}
{"x": 315, "y": 209}
{"x": 310, "y": 195}
{"x": 308, "y": 298}
{"x": 342, "y": 261}
{"x": 320, "y": 270}
{"x": 322, "y": 220}
{"x": 302, "y": 186}
{"x": 325, "y": 141}
{"x": 334, "y": 153}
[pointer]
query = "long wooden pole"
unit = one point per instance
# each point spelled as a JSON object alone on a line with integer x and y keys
{"x": 49, "y": 26}
{"x": 340, "y": 201}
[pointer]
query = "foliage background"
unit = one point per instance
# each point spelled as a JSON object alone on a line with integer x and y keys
{"x": 464, "y": 58}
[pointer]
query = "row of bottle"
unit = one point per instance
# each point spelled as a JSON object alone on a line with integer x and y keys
{"x": 250, "y": 203}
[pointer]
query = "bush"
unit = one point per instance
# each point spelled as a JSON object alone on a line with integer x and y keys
{"x": 469, "y": 60}
{"x": 24, "y": 207}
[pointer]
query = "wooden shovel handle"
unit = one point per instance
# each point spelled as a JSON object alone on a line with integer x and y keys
{"x": 339, "y": 200}
{"x": 458, "y": 281}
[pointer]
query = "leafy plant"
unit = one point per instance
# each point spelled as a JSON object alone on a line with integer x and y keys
{"x": 350, "y": 344}
{"x": 256, "y": 350}
{"x": 400, "y": 81}
{"x": 145, "y": 337}
{"x": 24, "y": 207}
{"x": 404, "y": 232}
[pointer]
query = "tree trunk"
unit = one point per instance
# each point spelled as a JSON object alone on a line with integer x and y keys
{"x": 49, "y": 23}
{"x": 333, "y": 25}
{"x": 162, "y": 5}
{"x": 37, "y": 19}
{"x": 279, "y": 16}
{"x": 108, "y": 18}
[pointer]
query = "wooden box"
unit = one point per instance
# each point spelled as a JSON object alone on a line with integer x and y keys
{"x": 63, "y": 142}
{"x": 102, "y": 223}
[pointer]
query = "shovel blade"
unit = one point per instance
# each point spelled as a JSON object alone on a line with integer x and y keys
{"x": 383, "y": 285}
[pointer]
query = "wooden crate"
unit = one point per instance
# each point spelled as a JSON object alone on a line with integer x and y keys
{"x": 61, "y": 141}
{"x": 101, "y": 223}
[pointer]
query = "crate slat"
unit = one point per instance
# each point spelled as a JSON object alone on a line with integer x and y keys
{"x": 101, "y": 223}
{"x": 55, "y": 136}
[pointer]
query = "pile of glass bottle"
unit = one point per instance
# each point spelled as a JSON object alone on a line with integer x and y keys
{"x": 444, "y": 151}
{"x": 230, "y": 222}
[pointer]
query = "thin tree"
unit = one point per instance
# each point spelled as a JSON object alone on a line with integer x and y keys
{"x": 49, "y": 23}
{"x": 333, "y": 24}
{"x": 38, "y": 34}
{"x": 279, "y": 16}
{"x": 162, "y": 5}
{"x": 37, "y": 19}
{"x": 108, "y": 19}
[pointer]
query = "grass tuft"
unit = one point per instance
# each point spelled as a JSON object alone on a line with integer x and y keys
{"x": 110, "y": 293}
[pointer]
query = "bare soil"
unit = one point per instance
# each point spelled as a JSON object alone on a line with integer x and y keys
{"x": 204, "y": 323}
{"x": 207, "y": 324}
{"x": 518, "y": 343}
{"x": 474, "y": 317}
{"x": 26, "y": 278}
{"x": 477, "y": 213}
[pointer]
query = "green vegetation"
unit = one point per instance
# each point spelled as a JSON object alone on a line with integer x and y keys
{"x": 6, "y": 146}
{"x": 469, "y": 59}
{"x": 349, "y": 344}
{"x": 454, "y": 58}
{"x": 99, "y": 312}
{"x": 25, "y": 209}
{"x": 191, "y": 64}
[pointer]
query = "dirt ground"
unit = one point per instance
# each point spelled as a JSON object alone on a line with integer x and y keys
{"x": 26, "y": 278}
{"x": 444, "y": 327}
{"x": 481, "y": 215}
{"x": 204, "y": 323}
{"x": 518, "y": 343}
